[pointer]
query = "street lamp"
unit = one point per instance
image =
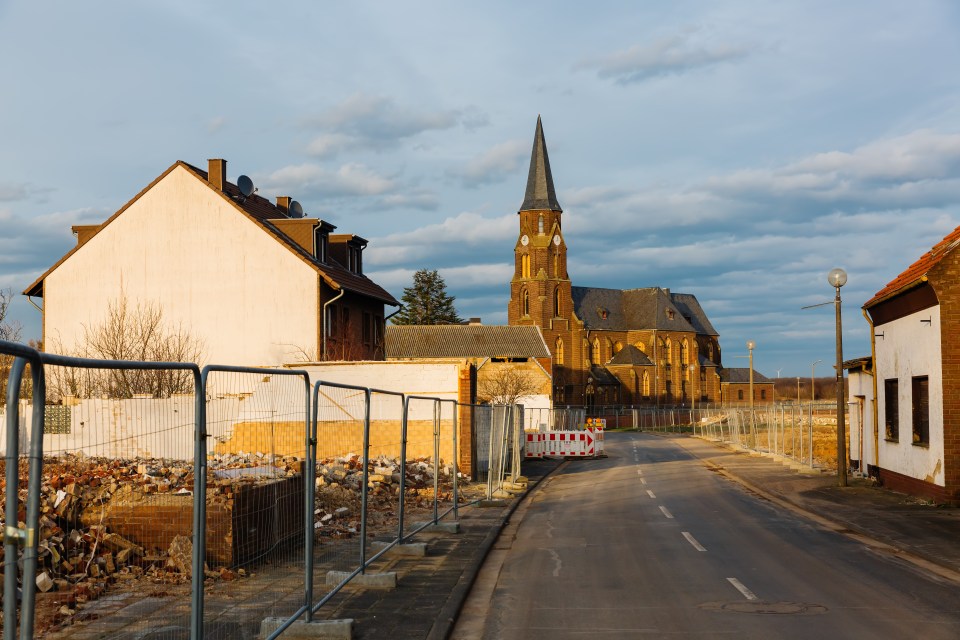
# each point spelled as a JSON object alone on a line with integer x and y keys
{"x": 837, "y": 278}
{"x": 753, "y": 428}
{"x": 813, "y": 383}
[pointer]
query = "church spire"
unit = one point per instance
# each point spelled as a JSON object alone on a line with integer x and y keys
{"x": 540, "y": 192}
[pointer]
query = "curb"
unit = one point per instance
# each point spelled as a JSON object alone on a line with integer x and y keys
{"x": 447, "y": 617}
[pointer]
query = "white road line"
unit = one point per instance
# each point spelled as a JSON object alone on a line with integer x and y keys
{"x": 665, "y": 512}
{"x": 693, "y": 541}
{"x": 643, "y": 481}
{"x": 639, "y": 472}
{"x": 650, "y": 493}
{"x": 742, "y": 589}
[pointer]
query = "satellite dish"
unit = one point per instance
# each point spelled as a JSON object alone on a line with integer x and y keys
{"x": 296, "y": 211}
{"x": 245, "y": 184}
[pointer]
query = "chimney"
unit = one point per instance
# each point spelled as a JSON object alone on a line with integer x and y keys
{"x": 474, "y": 321}
{"x": 283, "y": 203}
{"x": 217, "y": 172}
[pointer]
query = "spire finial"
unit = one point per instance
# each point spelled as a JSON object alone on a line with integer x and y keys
{"x": 540, "y": 193}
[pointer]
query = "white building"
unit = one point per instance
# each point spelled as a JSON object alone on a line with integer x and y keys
{"x": 913, "y": 443}
{"x": 256, "y": 282}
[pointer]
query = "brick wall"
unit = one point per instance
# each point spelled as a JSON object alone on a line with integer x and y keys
{"x": 945, "y": 279}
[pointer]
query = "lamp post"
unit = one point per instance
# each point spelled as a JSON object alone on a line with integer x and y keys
{"x": 813, "y": 383}
{"x": 837, "y": 278}
{"x": 753, "y": 428}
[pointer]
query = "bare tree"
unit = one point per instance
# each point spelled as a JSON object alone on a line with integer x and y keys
{"x": 506, "y": 386}
{"x": 130, "y": 333}
{"x": 8, "y": 331}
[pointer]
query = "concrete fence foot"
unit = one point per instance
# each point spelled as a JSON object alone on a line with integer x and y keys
{"x": 300, "y": 630}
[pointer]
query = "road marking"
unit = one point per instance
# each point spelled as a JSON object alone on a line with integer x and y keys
{"x": 650, "y": 493}
{"x": 639, "y": 472}
{"x": 643, "y": 481}
{"x": 665, "y": 512}
{"x": 693, "y": 541}
{"x": 742, "y": 589}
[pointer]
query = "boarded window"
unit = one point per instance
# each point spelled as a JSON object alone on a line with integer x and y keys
{"x": 921, "y": 410}
{"x": 891, "y": 409}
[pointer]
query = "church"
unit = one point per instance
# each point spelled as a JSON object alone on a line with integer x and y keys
{"x": 646, "y": 346}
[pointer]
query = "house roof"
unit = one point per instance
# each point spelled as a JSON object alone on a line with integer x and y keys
{"x": 602, "y": 376}
{"x": 740, "y": 375}
{"x": 465, "y": 341}
{"x": 632, "y": 356}
{"x": 261, "y": 211}
{"x": 917, "y": 272}
{"x": 639, "y": 309}
{"x": 540, "y": 193}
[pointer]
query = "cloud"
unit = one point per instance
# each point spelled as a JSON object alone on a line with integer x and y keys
{"x": 215, "y": 124}
{"x": 12, "y": 192}
{"x": 450, "y": 238}
{"x": 367, "y": 122}
{"x": 310, "y": 180}
{"x": 498, "y": 163}
{"x": 672, "y": 55}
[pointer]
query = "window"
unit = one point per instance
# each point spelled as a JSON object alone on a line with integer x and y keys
{"x": 739, "y": 394}
{"x": 556, "y": 264}
{"x": 525, "y": 303}
{"x": 617, "y": 347}
{"x": 639, "y": 345}
{"x": 646, "y": 384}
{"x": 367, "y": 328}
{"x": 320, "y": 244}
{"x": 540, "y": 225}
{"x": 595, "y": 352}
{"x": 891, "y": 409}
{"x": 525, "y": 265}
{"x": 921, "y": 410}
{"x": 668, "y": 352}
{"x": 332, "y": 317}
{"x": 558, "y": 351}
{"x": 763, "y": 394}
{"x": 556, "y": 302}
{"x": 683, "y": 352}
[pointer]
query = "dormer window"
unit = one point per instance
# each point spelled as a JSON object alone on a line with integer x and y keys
{"x": 355, "y": 259}
{"x": 321, "y": 243}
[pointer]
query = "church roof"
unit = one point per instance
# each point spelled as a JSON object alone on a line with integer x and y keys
{"x": 639, "y": 309}
{"x": 631, "y": 356}
{"x": 540, "y": 193}
{"x": 464, "y": 341}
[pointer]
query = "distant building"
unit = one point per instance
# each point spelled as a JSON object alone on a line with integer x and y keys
{"x": 735, "y": 387}
{"x": 497, "y": 357}
{"x": 255, "y": 281}
{"x": 863, "y": 446}
{"x": 915, "y": 443}
{"x": 634, "y": 347}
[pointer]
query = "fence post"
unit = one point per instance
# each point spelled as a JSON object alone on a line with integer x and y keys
{"x": 366, "y": 480}
{"x": 309, "y": 490}
{"x": 436, "y": 459}
{"x": 456, "y": 462}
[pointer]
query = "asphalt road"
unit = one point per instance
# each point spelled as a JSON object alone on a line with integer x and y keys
{"x": 650, "y": 543}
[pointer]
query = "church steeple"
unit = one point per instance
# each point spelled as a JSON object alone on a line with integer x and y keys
{"x": 540, "y": 193}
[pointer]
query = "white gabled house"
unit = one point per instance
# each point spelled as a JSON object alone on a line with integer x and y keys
{"x": 913, "y": 444}
{"x": 254, "y": 281}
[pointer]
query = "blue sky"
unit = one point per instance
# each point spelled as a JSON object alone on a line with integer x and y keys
{"x": 734, "y": 150}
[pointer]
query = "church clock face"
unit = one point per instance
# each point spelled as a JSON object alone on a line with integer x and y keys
{"x": 524, "y": 240}
{"x": 556, "y": 240}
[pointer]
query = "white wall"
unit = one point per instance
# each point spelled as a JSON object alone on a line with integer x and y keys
{"x": 180, "y": 245}
{"x": 911, "y": 348}
{"x": 862, "y": 435}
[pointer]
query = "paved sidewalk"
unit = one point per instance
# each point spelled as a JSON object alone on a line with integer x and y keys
{"x": 901, "y": 525}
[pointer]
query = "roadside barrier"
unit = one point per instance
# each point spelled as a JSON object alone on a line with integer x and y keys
{"x": 216, "y": 469}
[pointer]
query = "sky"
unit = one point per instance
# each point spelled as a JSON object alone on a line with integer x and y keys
{"x": 735, "y": 150}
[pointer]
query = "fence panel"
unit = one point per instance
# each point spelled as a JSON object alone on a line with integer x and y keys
{"x": 257, "y": 494}
{"x": 118, "y": 485}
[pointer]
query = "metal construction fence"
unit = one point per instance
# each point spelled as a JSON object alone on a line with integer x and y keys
{"x": 806, "y": 433}
{"x": 162, "y": 484}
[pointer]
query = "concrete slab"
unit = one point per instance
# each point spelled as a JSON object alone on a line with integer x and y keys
{"x": 440, "y": 527}
{"x": 325, "y": 629}
{"x": 409, "y": 550}
{"x": 386, "y": 580}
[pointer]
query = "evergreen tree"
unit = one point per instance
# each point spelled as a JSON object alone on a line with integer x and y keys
{"x": 427, "y": 302}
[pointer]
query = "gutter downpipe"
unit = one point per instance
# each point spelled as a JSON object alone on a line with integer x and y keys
{"x": 399, "y": 309}
{"x": 325, "y": 305}
{"x": 876, "y": 418}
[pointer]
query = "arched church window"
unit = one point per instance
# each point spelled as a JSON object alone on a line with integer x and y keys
{"x": 618, "y": 347}
{"x": 540, "y": 225}
{"x": 640, "y": 345}
{"x": 558, "y": 351}
{"x": 646, "y": 384}
{"x": 525, "y": 302}
{"x": 668, "y": 351}
{"x": 586, "y": 351}
{"x": 525, "y": 265}
{"x": 595, "y": 352}
{"x": 556, "y": 302}
{"x": 683, "y": 352}
{"x": 556, "y": 265}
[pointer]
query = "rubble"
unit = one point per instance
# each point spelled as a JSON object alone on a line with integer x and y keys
{"x": 80, "y": 555}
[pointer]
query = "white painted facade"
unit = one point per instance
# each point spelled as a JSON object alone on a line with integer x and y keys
{"x": 212, "y": 270}
{"x": 861, "y": 405}
{"x": 910, "y": 347}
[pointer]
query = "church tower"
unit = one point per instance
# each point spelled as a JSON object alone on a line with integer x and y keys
{"x": 540, "y": 288}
